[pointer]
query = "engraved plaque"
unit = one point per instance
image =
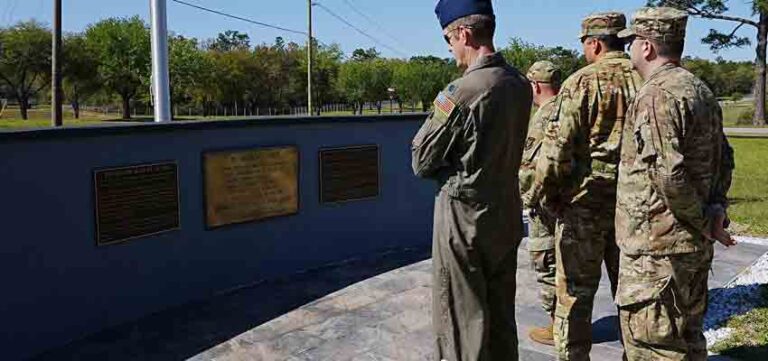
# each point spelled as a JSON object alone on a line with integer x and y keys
{"x": 249, "y": 185}
{"x": 348, "y": 174}
{"x": 136, "y": 201}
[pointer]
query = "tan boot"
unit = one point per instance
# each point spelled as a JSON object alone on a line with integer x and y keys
{"x": 543, "y": 335}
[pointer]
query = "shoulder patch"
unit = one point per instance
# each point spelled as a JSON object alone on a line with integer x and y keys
{"x": 444, "y": 105}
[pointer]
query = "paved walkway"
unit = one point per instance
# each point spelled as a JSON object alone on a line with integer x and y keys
{"x": 751, "y": 132}
{"x": 388, "y": 318}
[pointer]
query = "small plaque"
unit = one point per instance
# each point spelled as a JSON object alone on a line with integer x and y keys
{"x": 348, "y": 174}
{"x": 136, "y": 201}
{"x": 250, "y": 185}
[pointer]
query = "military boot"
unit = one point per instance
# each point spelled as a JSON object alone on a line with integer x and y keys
{"x": 543, "y": 335}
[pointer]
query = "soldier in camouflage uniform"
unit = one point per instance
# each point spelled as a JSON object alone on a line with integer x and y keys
{"x": 675, "y": 172}
{"x": 545, "y": 80}
{"x": 472, "y": 144}
{"x": 576, "y": 178}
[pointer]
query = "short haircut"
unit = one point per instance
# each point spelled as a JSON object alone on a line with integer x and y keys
{"x": 612, "y": 42}
{"x": 669, "y": 49}
{"x": 483, "y": 26}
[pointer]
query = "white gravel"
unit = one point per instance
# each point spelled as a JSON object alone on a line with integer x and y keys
{"x": 738, "y": 297}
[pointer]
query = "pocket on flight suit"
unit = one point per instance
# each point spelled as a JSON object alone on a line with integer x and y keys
{"x": 652, "y": 314}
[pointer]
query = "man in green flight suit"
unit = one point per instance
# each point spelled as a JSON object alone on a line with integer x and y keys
{"x": 576, "y": 178}
{"x": 472, "y": 144}
{"x": 545, "y": 78}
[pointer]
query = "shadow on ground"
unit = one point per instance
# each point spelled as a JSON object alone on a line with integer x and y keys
{"x": 605, "y": 330}
{"x": 745, "y": 353}
{"x": 185, "y": 331}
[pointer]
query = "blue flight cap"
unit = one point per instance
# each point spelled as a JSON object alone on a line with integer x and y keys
{"x": 449, "y": 10}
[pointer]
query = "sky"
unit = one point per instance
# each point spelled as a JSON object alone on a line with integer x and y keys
{"x": 404, "y": 27}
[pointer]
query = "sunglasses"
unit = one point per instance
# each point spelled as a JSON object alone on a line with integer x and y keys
{"x": 447, "y": 36}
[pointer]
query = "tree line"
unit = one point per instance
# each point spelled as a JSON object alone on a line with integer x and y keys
{"x": 109, "y": 63}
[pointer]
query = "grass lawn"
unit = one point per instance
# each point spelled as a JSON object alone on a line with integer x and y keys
{"x": 749, "y": 340}
{"x": 749, "y": 191}
{"x": 41, "y": 118}
{"x": 732, "y": 112}
{"x": 749, "y": 212}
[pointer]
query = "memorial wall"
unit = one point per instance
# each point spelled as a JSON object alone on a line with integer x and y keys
{"x": 104, "y": 225}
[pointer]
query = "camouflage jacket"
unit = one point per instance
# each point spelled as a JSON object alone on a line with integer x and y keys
{"x": 580, "y": 154}
{"x": 676, "y": 166}
{"x": 472, "y": 142}
{"x": 536, "y": 128}
{"x": 540, "y": 234}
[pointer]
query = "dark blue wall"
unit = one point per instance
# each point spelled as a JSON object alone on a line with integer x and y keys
{"x": 59, "y": 286}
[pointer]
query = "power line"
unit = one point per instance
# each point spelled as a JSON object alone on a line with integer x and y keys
{"x": 240, "y": 18}
{"x": 372, "y": 21}
{"x": 339, "y": 18}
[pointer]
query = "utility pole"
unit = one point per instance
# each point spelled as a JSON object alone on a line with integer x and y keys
{"x": 160, "y": 82}
{"x": 56, "y": 93}
{"x": 310, "y": 49}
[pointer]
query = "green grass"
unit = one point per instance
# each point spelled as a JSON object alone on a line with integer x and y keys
{"x": 749, "y": 191}
{"x": 732, "y": 112}
{"x": 749, "y": 339}
{"x": 41, "y": 118}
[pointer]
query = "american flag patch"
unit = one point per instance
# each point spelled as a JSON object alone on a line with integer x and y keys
{"x": 444, "y": 105}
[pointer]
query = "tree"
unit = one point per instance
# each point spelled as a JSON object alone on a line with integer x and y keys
{"x": 232, "y": 71}
{"x": 80, "y": 79}
{"x": 326, "y": 64}
{"x": 725, "y": 78}
{"x": 421, "y": 78}
{"x": 122, "y": 47}
{"x": 186, "y": 67}
{"x": 522, "y": 55}
{"x": 718, "y": 10}
{"x": 365, "y": 54}
{"x": 365, "y": 81}
{"x": 25, "y": 62}
{"x": 230, "y": 40}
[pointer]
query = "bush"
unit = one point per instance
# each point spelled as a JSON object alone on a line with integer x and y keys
{"x": 745, "y": 116}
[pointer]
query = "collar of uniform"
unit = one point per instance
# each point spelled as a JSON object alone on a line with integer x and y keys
{"x": 548, "y": 102}
{"x": 485, "y": 61}
{"x": 613, "y": 55}
{"x": 662, "y": 69}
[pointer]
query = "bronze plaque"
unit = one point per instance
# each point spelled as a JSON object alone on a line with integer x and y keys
{"x": 249, "y": 185}
{"x": 348, "y": 174}
{"x": 136, "y": 201}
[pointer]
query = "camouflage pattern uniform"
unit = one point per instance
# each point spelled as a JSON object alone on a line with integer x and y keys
{"x": 576, "y": 182}
{"x": 541, "y": 229}
{"x": 675, "y": 172}
{"x": 472, "y": 144}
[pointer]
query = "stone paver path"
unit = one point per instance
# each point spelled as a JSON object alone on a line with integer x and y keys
{"x": 387, "y": 317}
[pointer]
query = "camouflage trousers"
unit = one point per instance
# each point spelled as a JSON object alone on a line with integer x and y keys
{"x": 584, "y": 240}
{"x": 544, "y": 267}
{"x": 662, "y": 302}
{"x": 473, "y": 303}
{"x": 541, "y": 246}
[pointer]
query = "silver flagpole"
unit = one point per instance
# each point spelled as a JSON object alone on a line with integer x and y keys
{"x": 160, "y": 81}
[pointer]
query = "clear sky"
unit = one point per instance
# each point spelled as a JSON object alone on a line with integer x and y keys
{"x": 407, "y": 26}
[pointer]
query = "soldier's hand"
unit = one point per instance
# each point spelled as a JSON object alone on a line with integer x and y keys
{"x": 718, "y": 232}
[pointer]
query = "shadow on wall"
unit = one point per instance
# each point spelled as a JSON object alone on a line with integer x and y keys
{"x": 186, "y": 331}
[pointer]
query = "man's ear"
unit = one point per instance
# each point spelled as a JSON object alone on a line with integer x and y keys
{"x": 465, "y": 35}
{"x": 649, "y": 50}
{"x": 598, "y": 47}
